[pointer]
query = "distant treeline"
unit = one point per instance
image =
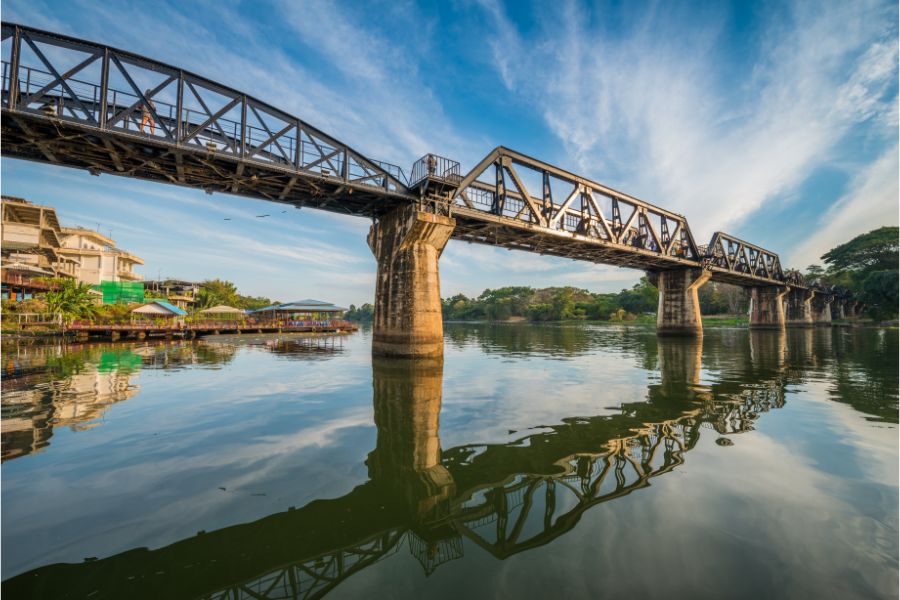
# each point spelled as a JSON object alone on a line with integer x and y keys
{"x": 569, "y": 303}
{"x": 362, "y": 314}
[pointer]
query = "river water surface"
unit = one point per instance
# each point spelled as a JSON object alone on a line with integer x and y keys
{"x": 533, "y": 462}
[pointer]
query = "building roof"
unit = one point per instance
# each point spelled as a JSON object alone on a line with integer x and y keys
{"x": 22, "y": 266}
{"x": 307, "y": 305}
{"x": 66, "y": 231}
{"x": 155, "y": 306}
{"x": 221, "y": 309}
{"x": 309, "y": 302}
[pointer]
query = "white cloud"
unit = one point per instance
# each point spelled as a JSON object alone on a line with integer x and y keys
{"x": 664, "y": 108}
{"x": 872, "y": 201}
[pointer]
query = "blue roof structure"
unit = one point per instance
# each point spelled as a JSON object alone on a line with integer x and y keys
{"x": 169, "y": 307}
{"x": 307, "y": 305}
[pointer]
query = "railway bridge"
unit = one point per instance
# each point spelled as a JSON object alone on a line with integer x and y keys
{"x": 80, "y": 104}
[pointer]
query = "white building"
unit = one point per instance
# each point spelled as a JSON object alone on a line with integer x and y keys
{"x": 97, "y": 257}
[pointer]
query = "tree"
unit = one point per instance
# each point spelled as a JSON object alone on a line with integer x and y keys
{"x": 814, "y": 272}
{"x": 642, "y": 298}
{"x": 868, "y": 266}
{"x": 880, "y": 292}
{"x": 72, "y": 299}
{"x": 363, "y": 314}
{"x": 877, "y": 250}
{"x": 214, "y": 292}
{"x": 563, "y": 304}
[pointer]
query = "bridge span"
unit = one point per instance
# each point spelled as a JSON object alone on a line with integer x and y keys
{"x": 80, "y": 104}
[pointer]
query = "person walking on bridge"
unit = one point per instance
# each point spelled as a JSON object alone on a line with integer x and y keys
{"x": 146, "y": 115}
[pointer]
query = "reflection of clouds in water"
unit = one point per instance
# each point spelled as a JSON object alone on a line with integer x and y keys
{"x": 754, "y": 519}
{"x": 255, "y": 425}
{"x": 483, "y": 399}
{"x": 521, "y": 377}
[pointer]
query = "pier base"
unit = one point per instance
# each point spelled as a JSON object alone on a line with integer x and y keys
{"x": 407, "y": 244}
{"x": 767, "y": 307}
{"x": 679, "y": 308}
{"x": 798, "y": 308}
{"x": 821, "y": 310}
{"x": 837, "y": 309}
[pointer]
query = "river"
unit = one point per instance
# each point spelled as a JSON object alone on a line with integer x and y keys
{"x": 533, "y": 462}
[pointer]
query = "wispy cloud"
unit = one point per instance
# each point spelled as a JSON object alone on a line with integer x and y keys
{"x": 662, "y": 109}
{"x": 871, "y": 202}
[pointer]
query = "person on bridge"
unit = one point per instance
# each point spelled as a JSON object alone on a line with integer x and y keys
{"x": 147, "y": 116}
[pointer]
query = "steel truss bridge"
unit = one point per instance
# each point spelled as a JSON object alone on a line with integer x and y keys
{"x": 80, "y": 104}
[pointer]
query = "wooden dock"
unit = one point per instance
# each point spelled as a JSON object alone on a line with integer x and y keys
{"x": 189, "y": 330}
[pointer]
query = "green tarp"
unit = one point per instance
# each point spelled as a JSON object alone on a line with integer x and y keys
{"x": 121, "y": 292}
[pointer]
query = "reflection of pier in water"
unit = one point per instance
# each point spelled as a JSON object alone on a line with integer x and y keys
{"x": 505, "y": 498}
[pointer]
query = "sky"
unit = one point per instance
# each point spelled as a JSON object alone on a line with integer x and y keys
{"x": 776, "y": 122}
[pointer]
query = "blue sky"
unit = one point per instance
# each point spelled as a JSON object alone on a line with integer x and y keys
{"x": 774, "y": 121}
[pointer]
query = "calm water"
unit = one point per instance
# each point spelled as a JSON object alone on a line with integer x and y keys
{"x": 535, "y": 462}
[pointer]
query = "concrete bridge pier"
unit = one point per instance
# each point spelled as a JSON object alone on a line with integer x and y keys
{"x": 837, "y": 309}
{"x": 767, "y": 307}
{"x": 407, "y": 244}
{"x": 821, "y": 309}
{"x": 678, "y": 312}
{"x": 798, "y": 310}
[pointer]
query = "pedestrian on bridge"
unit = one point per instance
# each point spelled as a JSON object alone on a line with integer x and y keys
{"x": 147, "y": 116}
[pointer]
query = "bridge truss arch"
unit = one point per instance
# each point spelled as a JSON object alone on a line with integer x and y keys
{"x": 81, "y": 104}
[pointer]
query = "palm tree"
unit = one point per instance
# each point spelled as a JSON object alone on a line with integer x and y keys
{"x": 73, "y": 300}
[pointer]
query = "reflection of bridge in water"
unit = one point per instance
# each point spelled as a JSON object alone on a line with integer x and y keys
{"x": 503, "y": 498}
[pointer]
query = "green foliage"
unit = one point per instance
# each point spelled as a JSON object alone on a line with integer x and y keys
{"x": 73, "y": 300}
{"x": 540, "y": 312}
{"x": 462, "y": 308}
{"x": 114, "y": 313}
{"x": 363, "y": 314}
{"x": 814, "y": 272}
{"x": 877, "y": 250}
{"x": 563, "y": 305}
{"x": 550, "y": 304}
{"x": 214, "y": 292}
{"x": 879, "y": 290}
{"x": 867, "y": 265}
{"x": 643, "y": 297}
{"x": 34, "y": 305}
{"x": 722, "y": 298}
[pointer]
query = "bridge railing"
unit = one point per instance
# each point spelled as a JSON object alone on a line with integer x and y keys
{"x": 69, "y": 79}
{"x": 439, "y": 167}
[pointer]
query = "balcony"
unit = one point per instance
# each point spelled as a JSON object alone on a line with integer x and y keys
{"x": 129, "y": 275}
